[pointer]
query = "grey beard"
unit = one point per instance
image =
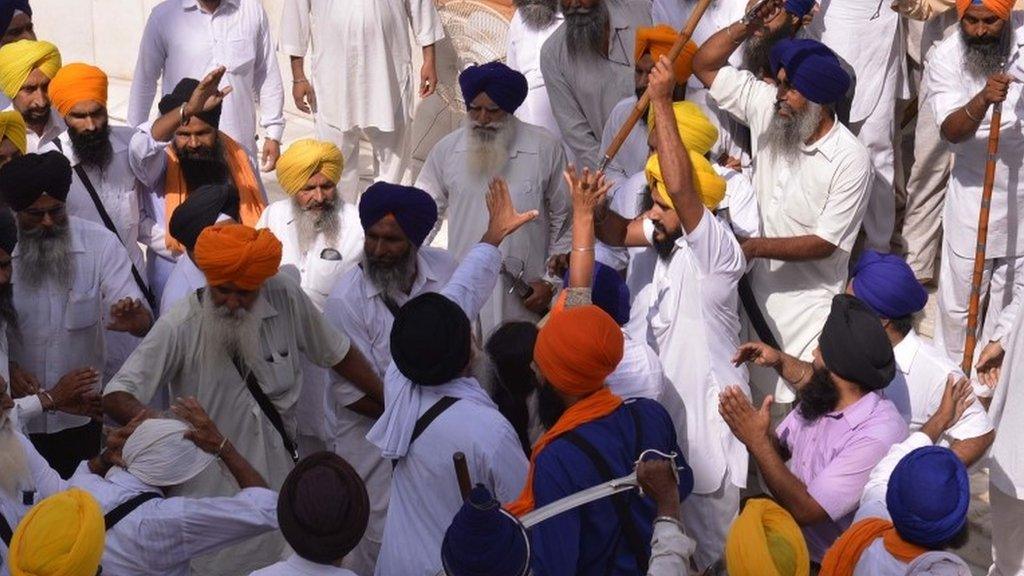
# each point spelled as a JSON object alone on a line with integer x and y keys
{"x": 537, "y": 14}
{"x": 14, "y": 471}
{"x": 392, "y": 279}
{"x": 585, "y": 31}
{"x": 757, "y": 49}
{"x": 981, "y": 60}
{"x": 46, "y": 254}
{"x": 8, "y": 315}
{"x": 312, "y": 223}
{"x": 235, "y": 334}
{"x": 488, "y": 149}
{"x": 785, "y": 135}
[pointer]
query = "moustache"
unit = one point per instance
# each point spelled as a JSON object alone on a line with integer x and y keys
{"x": 982, "y": 40}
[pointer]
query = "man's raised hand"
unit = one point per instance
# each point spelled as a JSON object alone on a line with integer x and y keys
{"x": 504, "y": 220}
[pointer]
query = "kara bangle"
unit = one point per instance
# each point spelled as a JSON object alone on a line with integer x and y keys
{"x": 670, "y": 520}
{"x": 584, "y": 249}
{"x": 220, "y": 448}
{"x": 49, "y": 398}
{"x": 300, "y": 81}
{"x": 968, "y": 112}
{"x": 182, "y": 118}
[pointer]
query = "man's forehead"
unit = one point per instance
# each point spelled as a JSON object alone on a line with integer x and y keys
{"x": 46, "y": 201}
{"x": 196, "y": 125}
{"x": 387, "y": 225}
{"x": 35, "y": 79}
{"x": 483, "y": 100}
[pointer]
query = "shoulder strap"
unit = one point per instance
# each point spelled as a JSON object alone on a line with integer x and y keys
{"x": 110, "y": 519}
{"x": 109, "y": 223}
{"x": 428, "y": 418}
{"x": 393, "y": 306}
{"x": 754, "y": 313}
{"x": 5, "y": 532}
{"x": 268, "y": 409}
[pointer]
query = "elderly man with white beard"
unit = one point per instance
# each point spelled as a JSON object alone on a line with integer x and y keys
{"x": 238, "y": 345}
{"x": 532, "y": 24}
{"x": 812, "y": 179}
{"x": 495, "y": 144}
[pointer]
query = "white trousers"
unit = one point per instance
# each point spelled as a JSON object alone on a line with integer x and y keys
{"x": 1006, "y": 513}
{"x": 708, "y": 517}
{"x": 390, "y": 155}
{"x": 878, "y": 133}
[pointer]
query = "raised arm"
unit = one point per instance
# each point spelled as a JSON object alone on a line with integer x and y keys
{"x": 588, "y": 192}
{"x": 714, "y": 54}
{"x": 205, "y": 97}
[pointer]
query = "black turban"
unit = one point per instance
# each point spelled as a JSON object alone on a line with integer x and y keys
{"x": 25, "y": 178}
{"x": 854, "y": 345}
{"x": 430, "y": 340}
{"x": 8, "y": 231}
{"x": 323, "y": 508}
{"x": 201, "y": 209}
{"x": 181, "y": 94}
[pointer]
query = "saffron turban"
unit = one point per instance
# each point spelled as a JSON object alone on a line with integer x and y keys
{"x": 608, "y": 291}
{"x": 305, "y": 158}
{"x": 505, "y": 86}
{"x": 25, "y": 178}
{"x": 886, "y": 283}
{"x": 7, "y": 10}
{"x": 578, "y": 348}
{"x": 936, "y": 563}
{"x": 158, "y": 453}
{"x": 709, "y": 185}
{"x": 413, "y": 209}
{"x": 202, "y": 208}
{"x": 799, "y": 8}
{"x": 484, "y": 540}
{"x": 19, "y": 59}
{"x": 237, "y": 254}
{"x": 764, "y": 540}
{"x": 658, "y": 40}
{"x": 928, "y": 495}
{"x": 181, "y": 94}
{"x": 854, "y": 345}
{"x": 430, "y": 340}
{"x": 77, "y": 83}
{"x": 1001, "y": 8}
{"x": 12, "y": 127}
{"x": 61, "y": 536}
{"x": 323, "y": 508}
{"x": 812, "y": 68}
{"x": 8, "y": 236}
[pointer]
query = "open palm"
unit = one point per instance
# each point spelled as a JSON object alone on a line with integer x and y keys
{"x": 504, "y": 219}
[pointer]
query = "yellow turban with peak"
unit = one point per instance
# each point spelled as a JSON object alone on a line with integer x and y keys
{"x": 765, "y": 541}
{"x": 61, "y": 536}
{"x": 696, "y": 131}
{"x": 76, "y": 83}
{"x": 12, "y": 127}
{"x": 710, "y": 186}
{"x": 19, "y": 59}
{"x": 305, "y": 158}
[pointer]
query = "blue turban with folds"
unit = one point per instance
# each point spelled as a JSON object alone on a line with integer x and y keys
{"x": 886, "y": 283}
{"x": 7, "y": 10}
{"x": 608, "y": 291}
{"x": 505, "y": 86}
{"x": 812, "y": 68}
{"x": 928, "y": 495}
{"x": 799, "y": 8}
{"x": 484, "y": 540}
{"x": 414, "y": 209}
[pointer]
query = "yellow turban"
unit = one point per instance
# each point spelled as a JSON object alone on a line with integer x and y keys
{"x": 305, "y": 158}
{"x": 19, "y": 59}
{"x": 61, "y": 536}
{"x": 12, "y": 127}
{"x": 658, "y": 40}
{"x": 76, "y": 83}
{"x": 697, "y": 132}
{"x": 710, "y": 186}
{"x": 765, "y": 541}
{"x": 237, "y": 254}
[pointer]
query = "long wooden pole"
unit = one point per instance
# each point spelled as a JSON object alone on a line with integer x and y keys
{"x": 462, "y": 474}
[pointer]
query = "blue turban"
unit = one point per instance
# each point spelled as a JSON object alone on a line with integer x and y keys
{"x": 504, "y": 85}
{"x": 484, "y": 540}
{"x": 928, "y": 495}
{"x": 799, "y": 8}
{"x": 7, "y": 9}
{"x": 414, "y": 209}
{"x": 812, "y": 68}
{"x": 608, "y": 291}
{"x": 886, "y": 284}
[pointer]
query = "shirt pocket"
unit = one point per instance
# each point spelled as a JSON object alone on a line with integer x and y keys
{"x": 802, "y": 207}
{"x": 82, "y": 310}
{"x": 526, "y": 196}
{"x": 285, "y": 371}
{"x": 241, "y": 55}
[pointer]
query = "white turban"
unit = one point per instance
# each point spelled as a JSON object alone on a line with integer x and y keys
{"x": 158, "y": 453}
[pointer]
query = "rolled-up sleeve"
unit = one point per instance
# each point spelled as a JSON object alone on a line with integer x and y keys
{"x": 741, "y": 94}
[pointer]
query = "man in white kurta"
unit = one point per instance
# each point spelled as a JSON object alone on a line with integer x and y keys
{"x": 526, "y": 36}
{"x": 362, "y": 78}
{"x": 27, "y": 67}
{"x": 188, "y": 39}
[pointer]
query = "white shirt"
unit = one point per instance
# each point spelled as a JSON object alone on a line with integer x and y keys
{"x": 161, "y": 536}
{"x": 62, "y": 331}
{"x": 919, "y": 385}
{"x": 26, "y": 407}
{"x": 950, "y": 86}
{"x": 694, "y": 317}
{"x": 523, "y": 54}
{"x": 317, "y": 275}
{"x": 639, "y": 373}
{"x": 36, "y": 143}
{"x": 361, "y": 58}
{"x": 1006, "y": 468}
{"x": 296, "y": 565}
{"x": 185, "y": 279}
{"x": 181, "y": 40}
{"x": 45, "y": 482}
{"x": 632, "y": 156}
{"x": 825, "y": 193}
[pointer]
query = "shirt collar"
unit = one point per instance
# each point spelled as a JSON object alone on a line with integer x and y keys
{"x": 124, "y": 479}
{"x": 859, "y": 412}
{"x": 906, "y": 351}
{"x": 194, "y": 4}
{"x": 306, "y": 567}
{"x": 827, "y": 143}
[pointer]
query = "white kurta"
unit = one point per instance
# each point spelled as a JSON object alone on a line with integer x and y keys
{"x": 185, "y": 278}
{"x": 535, "y": 181}
{"x": 296, "y": 565}
{"x": 361, "y": 58}
{"x": 523, "y": 54}
{"x": 45, "y": 482}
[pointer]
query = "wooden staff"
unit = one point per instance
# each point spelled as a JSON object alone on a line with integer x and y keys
{"x": 462, "y": 473}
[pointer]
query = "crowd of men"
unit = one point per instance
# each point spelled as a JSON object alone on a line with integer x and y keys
{"x": 713, "y": 308}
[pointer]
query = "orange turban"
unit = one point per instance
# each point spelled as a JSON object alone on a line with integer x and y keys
{"x": 658, "y": 40}
{"x": 578, "y": 348}
{"x": 1001, "y": 8}
{"x": 237, "y": 254}
{"x": 76, "y": 83}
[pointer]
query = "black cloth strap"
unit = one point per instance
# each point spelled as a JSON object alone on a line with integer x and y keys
{"x": 110, "y": 519}
{"x": 391, "y": 304}
{"x": 271, "y": 413}
{"x": 428, "y": 418}
{"x": 146, "y": 292}
{"x": 5, "y": 531}
{"x": 754, "y": 314}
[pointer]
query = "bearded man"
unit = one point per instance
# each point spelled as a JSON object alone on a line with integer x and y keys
{"x": 587, "y": 65}
{"x": 533, "y": 22}
{"x": 13, "y": 139}
{"x": 812, "y": 180}
{"x": 15, "y": 21}
{"x": 966, "y": 78}
{"x": 494, "y": 144}
{"x": 249, "y": 327}
{"x": 785, "y": 24}
{"x": 26, "y": 67}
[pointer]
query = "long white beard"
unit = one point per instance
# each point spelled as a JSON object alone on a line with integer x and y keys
{"x": 14, "y": 471}
{"x": 45, "y": 255}
{"x": 786, "y": 136}
{"x": 230, "y": 334}
{"x": 310, "y": 224}
{"x": 488, "y": 149}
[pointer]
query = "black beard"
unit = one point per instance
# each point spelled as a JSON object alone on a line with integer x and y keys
{"x": 203, "y": 166}
{"x": 665, "y": 246}
{"x": 8, "y": 314}
{"x": 537, "y": 14}
{"x": 92, "y": 148}
{"x": 549, "y": 406}
{"x": 819, "y": 396}
{"x": 755, "y": 53}
{"x": 984, "y": 56}
{"x": 585, "y": 31}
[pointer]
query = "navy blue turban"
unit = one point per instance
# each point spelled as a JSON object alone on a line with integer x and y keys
{"x": 812, "y": 68}
{"x": 854, "y": 345}
{"x": 430, "y": 340}
{"x": 414, "y": 209}
{"x": 608, "y": 291}
{"x": 928, "y": 495}
{"x": 7, "y": 9}
{"x": 799, "y": 8}
{"x": 504, "y": 85}
{"x": 181, "y": 94}
{"x": 887, "y": 284}
{"x": 484, "y": 540}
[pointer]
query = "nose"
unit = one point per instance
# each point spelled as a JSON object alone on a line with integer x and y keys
{"x": 89, "y": 124}
{"x": 377, "y": 249}
{"x": 47, "y": 221}
{"x": 193, "y": 142}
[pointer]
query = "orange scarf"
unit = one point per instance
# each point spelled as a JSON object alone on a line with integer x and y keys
{"x": 841, "y": 559}
{"x": 597, "y": 405}
{"x": 250, "y": 200}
